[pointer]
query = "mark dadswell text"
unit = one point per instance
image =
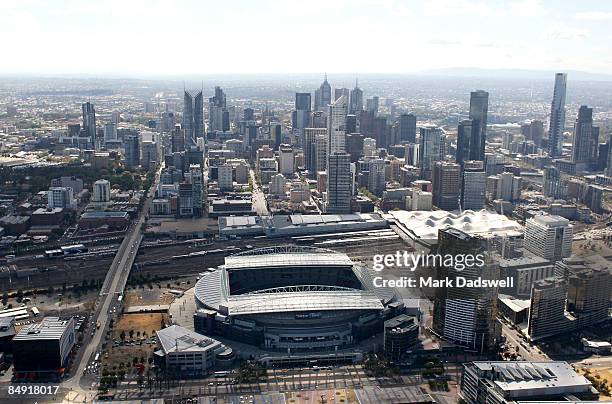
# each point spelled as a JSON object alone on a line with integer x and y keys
{"x": 431, "y": 282}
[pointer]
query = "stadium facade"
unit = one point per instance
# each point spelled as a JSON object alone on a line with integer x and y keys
{"x": 292, "y": 298}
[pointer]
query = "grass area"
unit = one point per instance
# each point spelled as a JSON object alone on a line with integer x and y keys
{"x": 140, "y": 324}
{"x": 601, "y": 377}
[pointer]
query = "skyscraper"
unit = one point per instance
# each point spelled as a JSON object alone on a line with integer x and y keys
{"x": 300, "y": 117}
{"x": 547, "y": 309}
{"x": 376, "y": 176}
{"x": 479, "y": 106}
{"x": 339, "y": 92}
{"x": 323, "y": 96}
{"x": 609, "y": 164}
{"x": 557, "y": 116}
{"x": 446, "y": 185}
{"x": 356, "y": 102}
{"x": 549, "y": 236}
{"x": 583, "y": 130}
{"x": 464, "y": 140}
{"x": 429, "y": 149}
{"x": 372, "y": 105}
{"x": 336, "y": 122}
{"x": 339, "y": 183}
{"x": 178, "y": 139}
{"x": 218, "y": 115}
{"x": 407, "y": 128}
{"x": 473, "y": 186}
{"x": 132, "y": 151}
{"x": 89, "y": 123}
{"x": 310, "y": 149}
{"x": 193, "y": 117}
{"x": 466, "y": 315}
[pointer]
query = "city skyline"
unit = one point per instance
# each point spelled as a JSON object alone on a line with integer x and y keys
{"x": 552, "y": 36}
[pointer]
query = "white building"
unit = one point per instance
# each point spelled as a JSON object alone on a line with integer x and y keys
{"x": 369, "y": 147}
{"x": 187, "y": 352}
{"x": 549, "y": 237}
{"x": 224, "y": 177}
{"x": 286, "y": 160}
{"x": 421, "y": 200}
{"x": 60, "y": 197}
{"x": 101, "y": 191}
{"x": 277, "y": 184}
{"x": 336, "y": 122}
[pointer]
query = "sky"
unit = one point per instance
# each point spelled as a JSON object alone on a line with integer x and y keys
{"x": 146, "y": 38}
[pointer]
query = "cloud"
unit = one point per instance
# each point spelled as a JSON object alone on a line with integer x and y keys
{"x": 443, "y": 42}
{"x": 594, "y": 15}
{"x": 461, "y": 7}
{"x": 560, "y": 31}
{"x": 528, "y": 8}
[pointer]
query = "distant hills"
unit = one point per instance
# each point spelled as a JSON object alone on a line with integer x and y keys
{"x": 514, "y": 73}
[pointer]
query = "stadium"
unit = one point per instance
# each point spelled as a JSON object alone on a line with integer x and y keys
{"x": 291, "y": 298}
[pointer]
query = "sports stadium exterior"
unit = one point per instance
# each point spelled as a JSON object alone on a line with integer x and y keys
{"x": 291, "y": 298}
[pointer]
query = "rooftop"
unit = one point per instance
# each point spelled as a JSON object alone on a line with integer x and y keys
{"x": 48, "y": 328}
{"x": 176, "y": 338}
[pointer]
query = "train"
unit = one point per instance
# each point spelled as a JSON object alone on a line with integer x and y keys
{"x": 66, "y": 250}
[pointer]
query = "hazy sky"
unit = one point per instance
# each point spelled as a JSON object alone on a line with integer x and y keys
{"x": 161, "y": 37}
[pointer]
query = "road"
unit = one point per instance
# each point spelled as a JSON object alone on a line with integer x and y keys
{"x": 113, "y": 286}
{"x": 526, "y": 352}
{"x": 258, "y": 198}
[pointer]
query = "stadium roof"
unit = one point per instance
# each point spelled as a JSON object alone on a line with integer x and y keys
{"x": 212, "y": 290}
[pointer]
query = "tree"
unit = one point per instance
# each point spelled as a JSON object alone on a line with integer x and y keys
{"x": 5, "y": 298}
{"x": 122, "y": 335}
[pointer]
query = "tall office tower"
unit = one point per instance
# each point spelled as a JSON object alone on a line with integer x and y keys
{"x": 549, "y": 236}
{"x": 588, "y": 295}
{"x": 321, "y": 151}
{"x": 193, "y": 117}
{"x": 429, "y": 149}
{"x": 547, "y": 309}
{"x": 168, "y": 120}
{"x": 197, "y": 188}
{"x": 89, "y": 123}
{"x": 110, "y": 132}
{"x": 132, "y": 151}
{"x": 149, "y": 155}
{"x": 339, "y": 183}
{"x": 354, "y": 145}
{"x": 479, "y": 106}
{"x": 466, "y": 315}
{"x": 310, "y": 149}
{"x": 224, "y": 177}
{"x": 300, "y": 117}
{"x": 218, "y": 116}
{"x": 533, "y": 131}
{"x": 464, "y": 140}
{"x": 473, "y": 186}
{"x": 276, "y": 134}
{"x": 407, "y": 128}
{"x": 351, "y": 123}
{"x": 248, "y": 114}
{"x": 286, "y": 160}
{"x": 581, "y": 145}
{"x": 318, "y": 119}
{"x": 101, "y": 191}
{"x": 446, "y": 185}
{"x": 380, "y": 131}
{"x": 177, "y": 139}
{"x": 336, "y": 121}
{"x": 339, "y": 92}
{"x": 376, "y": 177}
{"x": 553, "y": 183}
{"x": 557, "y": 116}
{"x": 369, "y": 147}
{"x": 372, "y": 105}
{"x": 356, "y": 102}
{"x": 323, "y": 96}
{"x": 609, "y": 164}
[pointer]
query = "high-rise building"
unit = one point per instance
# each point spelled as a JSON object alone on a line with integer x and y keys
{"x": 369, "y": 147}
{"x": 321, "y": 151}
{"x": 429, "y": 149}
{"x": 356, "y": 101}
{"x": 177, "y": 139}
{"x": 547, "y": 308}
{"x": 197, "y": 188}
{"x": 193, "y": 117}
{"x": 310, "y": 149}
{"x": 549, "y": 236}
{"x": 248, "y": 114}
{"x": 89, "y": 123}
{"x": 464, "y": 140}
{"x": 224, "y": 177}
{"x": 354, "y": 145}
{"x": 286, "y": 160}
{"x": 323, "y": 96}
{"x": 407, "y": 128}
{"x": 466, "y": 315}
{"x": 336, "y": 122}
{"x": 588, "y": 296}
{"x": 446, "y": 183}
{"x": 339, "y": 183}
{"x": 473, "y": 186}
{"x": 609, "y": 164}
{"x": 101, "y": 191}
{"x": 583, "y": 130}
{"x": 218, "y": 115}
{"x": 60, "y": 197}
{"x": 339, "y": 92}
{"x": 149, "y": 157}
{"x": 132, "y": 151}
{"x": 376, "y": 176}
{"x": 300, "y": 117}
{"x": 557, "y": 116}
{"x": 110, "y": 132}
{"x": 479, "y": 106}
{"x": 372, "y": 105}
{"x": 533, "y": 131}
